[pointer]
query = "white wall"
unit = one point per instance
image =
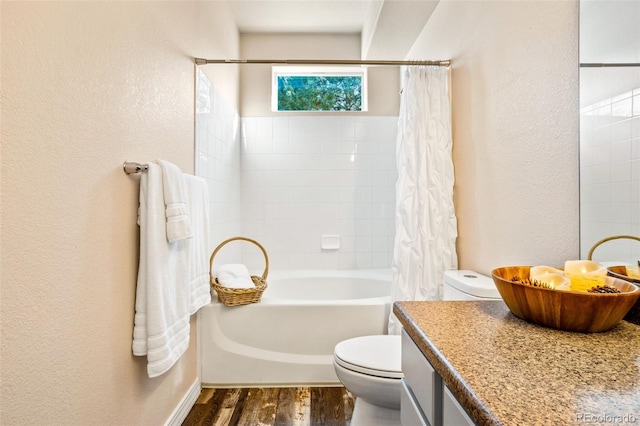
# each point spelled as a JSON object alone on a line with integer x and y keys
{"x": 515, "y": 127}
{"x": 86, "y": 86}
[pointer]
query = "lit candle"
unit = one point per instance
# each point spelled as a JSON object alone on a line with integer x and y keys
{"x": 584, "y": 274}
{"x": 539, "y": 270}
{"x": 552, "y": 276}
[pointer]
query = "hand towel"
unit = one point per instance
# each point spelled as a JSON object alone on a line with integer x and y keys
{"x": 175, "y": 200}
{"x": 161, "y": 323}
{"x": 198, "y": 194}
{"x": 234, "y": 275}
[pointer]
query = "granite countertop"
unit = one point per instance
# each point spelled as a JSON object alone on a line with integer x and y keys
{"x": 505, "y": 371}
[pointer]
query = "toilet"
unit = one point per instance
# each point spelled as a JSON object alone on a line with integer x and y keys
{"x": 370, "y": 366}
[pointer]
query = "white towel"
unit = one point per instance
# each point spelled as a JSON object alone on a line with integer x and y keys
{"x": 234, "y": 275}
{"x": 161, "y": 324}
{"x": 175, "y": 200}
{"x": 198, "y": 194}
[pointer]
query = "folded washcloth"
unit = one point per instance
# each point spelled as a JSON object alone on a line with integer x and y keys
{"x": 175, "y": 200}
{"x": 234, "y": 275}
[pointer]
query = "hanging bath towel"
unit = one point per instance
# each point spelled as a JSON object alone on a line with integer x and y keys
{"x": 199, "y": 249}
{"x": 161, "y": 325}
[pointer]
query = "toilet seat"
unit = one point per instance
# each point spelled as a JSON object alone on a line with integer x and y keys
{"x": 377, "y": 356}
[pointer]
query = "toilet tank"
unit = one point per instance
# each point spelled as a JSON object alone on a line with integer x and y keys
{"x": 469, "y": 285}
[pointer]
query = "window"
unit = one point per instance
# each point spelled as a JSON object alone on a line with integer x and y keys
{"x": 319, "y": 89}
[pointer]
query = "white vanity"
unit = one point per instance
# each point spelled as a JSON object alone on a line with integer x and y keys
{"x": 425, "y": 399}
{"x": 470, "y": 362}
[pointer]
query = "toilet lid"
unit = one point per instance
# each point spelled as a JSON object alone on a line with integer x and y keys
{"x": 472, "y": 283}
{"x": 373, "y": 355}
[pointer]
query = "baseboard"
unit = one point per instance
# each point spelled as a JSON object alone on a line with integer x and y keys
{"x": 336, "y": 384}
{"x": 182, "y": 410}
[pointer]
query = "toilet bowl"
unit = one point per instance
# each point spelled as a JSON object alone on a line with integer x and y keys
{"x": 370, "y": 366}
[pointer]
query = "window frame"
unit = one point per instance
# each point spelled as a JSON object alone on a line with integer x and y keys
{"x": 320, "y": 70}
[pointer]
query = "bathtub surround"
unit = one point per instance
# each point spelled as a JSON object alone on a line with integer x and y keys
{"x": 217, "y": 156}
{"x": 305, "y": 175}
{"x": 425, "y": 226}
{"x": 308, "y": 176}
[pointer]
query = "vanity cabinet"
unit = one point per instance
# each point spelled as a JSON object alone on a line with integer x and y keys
{"x": 452, "y": 411}
{"x": 425, "y": 399}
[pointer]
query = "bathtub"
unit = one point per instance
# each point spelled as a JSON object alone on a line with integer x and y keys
{"x": 288, "y": 337}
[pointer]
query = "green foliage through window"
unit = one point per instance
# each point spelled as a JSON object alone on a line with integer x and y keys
{"x": 319, "y": 93}
{"x": 319, "y": 88}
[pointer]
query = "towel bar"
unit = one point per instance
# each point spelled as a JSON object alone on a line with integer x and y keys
{"x": 131, "y": 167}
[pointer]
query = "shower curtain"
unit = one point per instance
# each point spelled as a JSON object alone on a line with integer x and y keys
{"x": 426, "y": 225}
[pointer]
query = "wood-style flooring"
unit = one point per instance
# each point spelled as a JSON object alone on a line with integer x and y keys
{"x": 272, "y": 406}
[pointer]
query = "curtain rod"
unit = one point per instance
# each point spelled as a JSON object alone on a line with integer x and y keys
{"x": 200, "y": 61}
{"x": 595, "y": 65}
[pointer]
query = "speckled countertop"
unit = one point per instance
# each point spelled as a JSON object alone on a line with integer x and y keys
{"x": 505, "y": 371}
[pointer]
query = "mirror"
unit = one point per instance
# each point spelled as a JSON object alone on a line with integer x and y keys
{"x": 610, "y": 129}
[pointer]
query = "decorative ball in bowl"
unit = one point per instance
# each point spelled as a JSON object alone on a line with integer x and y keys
{"x": 564, "y": 309}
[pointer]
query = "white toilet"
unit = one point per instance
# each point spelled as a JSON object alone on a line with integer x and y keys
{"x": 370, "y": 366}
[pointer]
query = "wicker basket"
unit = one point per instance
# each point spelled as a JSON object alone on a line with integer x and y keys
{"x": 604, "y": 240}
{"x": 620, "y": 272}
{"x": 240, "y": 296}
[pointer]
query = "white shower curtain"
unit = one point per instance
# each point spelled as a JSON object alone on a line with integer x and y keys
{"x": 426, "y": 225}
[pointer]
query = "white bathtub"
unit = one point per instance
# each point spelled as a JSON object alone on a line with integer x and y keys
{"x": 288, "y": 337}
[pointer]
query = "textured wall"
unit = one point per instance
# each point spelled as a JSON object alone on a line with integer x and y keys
{"x": 86, "y": 86}
{"x": 515, "y": 127}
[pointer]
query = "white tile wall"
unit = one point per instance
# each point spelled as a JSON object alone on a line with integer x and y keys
{"x": 218, "y": 161}
{"x": 303, "y": 177}
{"x": 286, "y": 181}
{"x": 610, "y": 176}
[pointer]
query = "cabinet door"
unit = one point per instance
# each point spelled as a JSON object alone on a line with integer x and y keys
{"x": 422, "y": 380}
{"x": 452, "y": 412}
{"x": 410, "y": 413}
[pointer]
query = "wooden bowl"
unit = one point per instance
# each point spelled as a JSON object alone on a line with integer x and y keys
{"x": 621, "y": 272}
{"x": 565, "y": 310}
